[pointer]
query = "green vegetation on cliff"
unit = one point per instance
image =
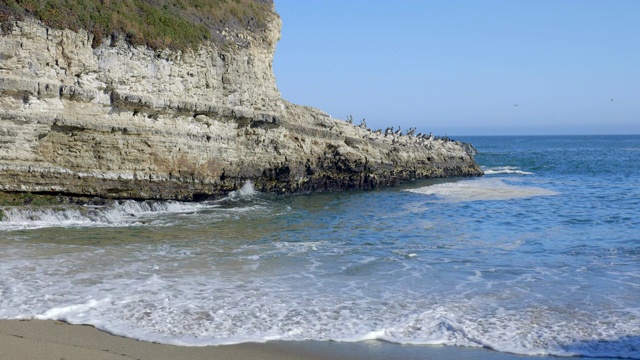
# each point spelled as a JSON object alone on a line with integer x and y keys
{"x": 176, "y": 24}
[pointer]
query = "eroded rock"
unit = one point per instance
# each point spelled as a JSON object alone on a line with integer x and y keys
{"x": 130, "y": 122}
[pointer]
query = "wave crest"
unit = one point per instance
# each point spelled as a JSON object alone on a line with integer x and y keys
{"x": 506, "y": 170}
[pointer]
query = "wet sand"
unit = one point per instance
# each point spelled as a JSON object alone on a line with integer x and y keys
{"x": 55, "y": 340}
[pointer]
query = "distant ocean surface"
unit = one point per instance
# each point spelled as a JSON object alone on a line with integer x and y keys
{"x": 539, "y": 256}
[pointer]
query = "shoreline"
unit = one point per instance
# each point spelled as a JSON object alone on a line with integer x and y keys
{"x": 49, "y": 339}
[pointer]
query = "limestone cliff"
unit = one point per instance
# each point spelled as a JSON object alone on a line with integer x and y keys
{"x": 123, "y": 121}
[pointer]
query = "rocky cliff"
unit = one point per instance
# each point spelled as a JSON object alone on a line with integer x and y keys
{"x": 124, "y": 121}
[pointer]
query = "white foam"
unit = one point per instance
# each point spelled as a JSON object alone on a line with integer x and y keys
{"x": 481, "y": 189}
{"x": 61, "y": 312}
{"x": 122, "y": 213}
{"x": 206, "y": 307}
{"x": 505, "y": 170}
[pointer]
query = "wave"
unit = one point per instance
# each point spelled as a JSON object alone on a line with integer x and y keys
{"x": 481, "y": 189}
{"x": 261, "y": 315}
{"x": 505, "y": 170}
{"x": 118, "y": 214}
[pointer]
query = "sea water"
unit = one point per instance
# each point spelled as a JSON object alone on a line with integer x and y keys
{"x": 539, "y": 256}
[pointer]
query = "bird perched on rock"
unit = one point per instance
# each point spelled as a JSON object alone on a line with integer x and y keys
{"x": 349, "y": 119}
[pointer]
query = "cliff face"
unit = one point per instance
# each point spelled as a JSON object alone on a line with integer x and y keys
{"x": 130, "y": 122}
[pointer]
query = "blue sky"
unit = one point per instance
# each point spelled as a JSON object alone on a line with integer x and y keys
{"x": 460, "y": 66}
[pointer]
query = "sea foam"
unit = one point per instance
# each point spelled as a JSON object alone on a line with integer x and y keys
{"x": 120, "y": 213}
{"x": 505, "y": 170}
{"x": 481, "y": 189}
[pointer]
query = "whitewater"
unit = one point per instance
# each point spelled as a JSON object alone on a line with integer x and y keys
{"x": 541, "y": 256}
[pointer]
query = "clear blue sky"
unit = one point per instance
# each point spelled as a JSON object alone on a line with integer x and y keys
{"x": 460, "y": 66}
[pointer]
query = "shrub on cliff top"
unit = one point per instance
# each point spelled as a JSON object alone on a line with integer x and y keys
{"x": 175, "y": 24}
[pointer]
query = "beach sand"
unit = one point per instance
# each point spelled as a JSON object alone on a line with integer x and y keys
{"x": 55, "y": 340}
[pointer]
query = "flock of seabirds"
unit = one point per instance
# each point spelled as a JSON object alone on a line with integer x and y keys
{"x": 410, "y": 137}
{"x": 397, "y": 136}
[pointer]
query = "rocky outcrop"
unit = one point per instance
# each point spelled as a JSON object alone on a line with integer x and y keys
{"x": 129, "y": 122}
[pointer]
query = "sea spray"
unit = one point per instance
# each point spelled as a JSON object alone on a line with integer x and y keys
{"x": 246, "y": 190}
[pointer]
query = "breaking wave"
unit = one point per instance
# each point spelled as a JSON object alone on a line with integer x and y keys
{"x": 505, "y": 170}
{"x": 118, "y": 214}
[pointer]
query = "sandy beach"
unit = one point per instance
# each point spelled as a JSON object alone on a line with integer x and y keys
{"x": 55, "y": 340}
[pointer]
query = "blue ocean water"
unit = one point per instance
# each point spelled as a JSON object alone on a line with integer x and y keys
{"x": 539, "y": 256}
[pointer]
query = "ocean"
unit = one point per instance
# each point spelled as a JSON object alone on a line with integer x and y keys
{"x": 539, "y": 256}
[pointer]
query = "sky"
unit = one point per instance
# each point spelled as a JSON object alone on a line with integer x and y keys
{"x": 466, "y": 67}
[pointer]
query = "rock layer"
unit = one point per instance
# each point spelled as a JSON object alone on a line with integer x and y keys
{"x": 129, "y": 122}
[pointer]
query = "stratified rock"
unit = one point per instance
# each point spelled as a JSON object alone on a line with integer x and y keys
{"x": 129, "y": 122}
